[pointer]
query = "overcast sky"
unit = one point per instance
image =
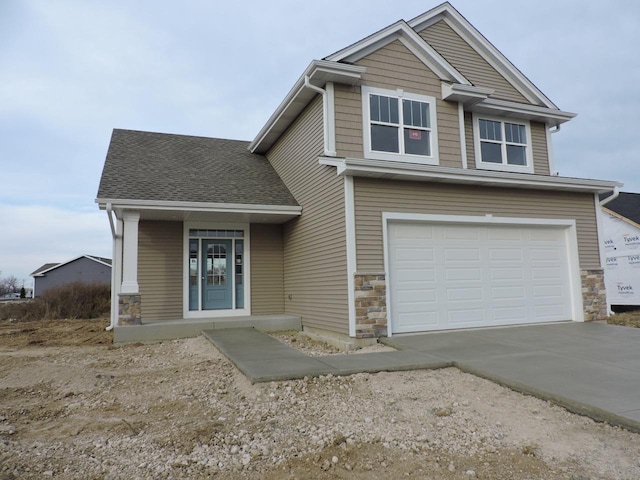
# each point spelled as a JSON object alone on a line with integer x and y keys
{"x": 71, "y": 71}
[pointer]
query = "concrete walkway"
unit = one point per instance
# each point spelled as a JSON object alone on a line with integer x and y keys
{"x": 589, "y": 368}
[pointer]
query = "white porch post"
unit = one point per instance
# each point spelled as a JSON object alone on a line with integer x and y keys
{"x": 130, "y": 253}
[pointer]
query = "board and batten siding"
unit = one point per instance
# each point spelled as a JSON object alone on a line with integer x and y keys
{"x": 315, "y": 260}
{"x": 469, "y": 62}
{"x": 160, "y": 268}
{"x": 374, "y": 196}
{"x": 395, "y": 67}
{"x": 267, "y": 274}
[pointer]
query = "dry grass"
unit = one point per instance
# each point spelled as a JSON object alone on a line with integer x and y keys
{"x": 627, "y": 319}
{"x": 73, "y": 300}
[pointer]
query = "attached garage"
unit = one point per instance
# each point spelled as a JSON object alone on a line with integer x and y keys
{"x": 450, "y": 272}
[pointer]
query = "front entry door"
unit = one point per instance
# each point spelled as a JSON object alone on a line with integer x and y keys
{"x": 217, "y": 274}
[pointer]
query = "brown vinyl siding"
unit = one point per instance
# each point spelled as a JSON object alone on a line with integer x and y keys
{"x": 374, "y": 196}
{"x": 267, "y": 274}
{"x": 160, "y": 269}
{"x": 394, "y": 67}
{"x": 539, "y": 146}
{"x": 315, "y": 265}
{"x": 469, "y": 62}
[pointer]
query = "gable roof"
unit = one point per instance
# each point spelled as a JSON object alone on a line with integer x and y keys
{"x": 455, "y": 86}
{"x": 626, "y": 205}
{"x": 150, "y": 166}
{"x": 47, "y": 267}
{"x": 484, "y": 48}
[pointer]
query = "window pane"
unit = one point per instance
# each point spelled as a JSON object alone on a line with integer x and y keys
{"x": 384, "y": 138}
{"x": 491, "y": 152}
{"x": 394, "y": 114}
{"x": 515, "y": 133}
{"x": 490, "y": 130}
{"x": 374, "y": 107}
{"x": 516, "y": 155}
{"x": 415, "y": 113}
{"x": 416, "y": 142}
{"x": 384, "y": 109}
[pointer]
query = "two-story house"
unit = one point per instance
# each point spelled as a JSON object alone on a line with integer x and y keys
{"x": 405, "y": 184}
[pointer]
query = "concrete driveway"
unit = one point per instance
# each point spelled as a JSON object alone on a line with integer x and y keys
{"x": 589, "y": 368}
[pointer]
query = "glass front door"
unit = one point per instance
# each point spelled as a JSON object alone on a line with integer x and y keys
{"x": 216, "y": 271}
{"x": 217, "y": 275}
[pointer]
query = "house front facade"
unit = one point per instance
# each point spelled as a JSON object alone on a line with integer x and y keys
{"x": 405, "y": 184}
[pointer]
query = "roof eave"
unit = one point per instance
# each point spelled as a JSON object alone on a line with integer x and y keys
{"x": 429, "y": 173}
{"x": 319, "y": 72}
{"x": 132, "y": 204}
{"x": 551, "y": 116}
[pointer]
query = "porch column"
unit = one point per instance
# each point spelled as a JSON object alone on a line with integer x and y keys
{"x": 129, "y": 308}
{"x": 130, "y": 253}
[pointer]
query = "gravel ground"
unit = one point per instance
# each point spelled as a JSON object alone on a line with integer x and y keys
{"x": 179, "y": 409}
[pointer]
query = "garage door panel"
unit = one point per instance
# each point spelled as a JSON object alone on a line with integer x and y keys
{"x": 465, "y": 233}
{"x": 409, "y": 321}
{"x": 465, "y": 317}
{"x": 505, "y": 255}
{"x": 414, "y": 254}
{"x": 464, "y": 294}
{"x": 412, "y": 296}
{"x": 510, "y": 315}
{"x": 445, "y": 276}
{"x": 462, "y": 274}
{"x": 508, "y": 293}
{"x": 462, "y": 254}
{"x": 513, "y": 273}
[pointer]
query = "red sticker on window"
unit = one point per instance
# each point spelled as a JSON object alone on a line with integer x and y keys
{"x": 415, "y": 134}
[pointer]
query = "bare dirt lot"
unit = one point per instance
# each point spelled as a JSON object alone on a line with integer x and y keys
{"x": 74, "y": 406}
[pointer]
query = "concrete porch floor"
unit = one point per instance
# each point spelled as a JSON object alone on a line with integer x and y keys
{"x": 192, "y": 327}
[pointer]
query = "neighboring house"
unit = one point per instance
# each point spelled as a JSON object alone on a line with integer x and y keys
{"x": 404, "y": 184}
{"x": 85, "y": 269}
{"x": 621, "y": 243}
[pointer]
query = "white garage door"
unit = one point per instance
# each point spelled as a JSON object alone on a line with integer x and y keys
{"x": 447, "y": 276}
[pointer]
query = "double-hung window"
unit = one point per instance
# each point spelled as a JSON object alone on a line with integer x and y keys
{"x": 399, "y": 126}
{"x": 502, "y": 145}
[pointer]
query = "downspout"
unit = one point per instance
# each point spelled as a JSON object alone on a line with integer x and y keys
{"x": 328, "y": 152}
{"x": 602, "y": 203}
{"x": 552, "y": 162}
{"x": 115, "y": 236}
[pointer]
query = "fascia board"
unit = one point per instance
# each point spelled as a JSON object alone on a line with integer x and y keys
{"x": 299, "y": 96}
{"x": 484, "y": 47}
{"x": 127, "y": 204}
{"x": 361, "y": 167}
{"x": 494, "y": 106}
{"x": 410, "y": 39}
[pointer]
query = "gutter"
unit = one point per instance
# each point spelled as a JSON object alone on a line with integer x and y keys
{"x": 616, "y": 192}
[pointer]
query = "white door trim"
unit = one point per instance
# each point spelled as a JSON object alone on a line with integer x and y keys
{"x": 235, "y": 312}
{"x": 569, "y": 226}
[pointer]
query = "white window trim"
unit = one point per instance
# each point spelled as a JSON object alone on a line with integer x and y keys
{"x": 232, "y": 312}
{"x": 569, "y": 226}
{"x": 502, "y": 167}
{"x": 432, "y": 159}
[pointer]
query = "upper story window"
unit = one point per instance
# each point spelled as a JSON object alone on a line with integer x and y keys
{"x": 502, "y": 145}
{"x": 399, "y": 126}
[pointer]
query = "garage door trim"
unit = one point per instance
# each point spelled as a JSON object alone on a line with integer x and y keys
{"x": 569, "y": 226}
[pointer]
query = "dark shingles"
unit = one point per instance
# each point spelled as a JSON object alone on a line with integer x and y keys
{"x": 627, "y": 205}
{"x": 44, "y": 267}
{"x": 167, "y": 167}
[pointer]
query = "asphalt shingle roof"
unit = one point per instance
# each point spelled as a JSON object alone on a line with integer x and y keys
{"x": 167, "y": 167}
{"x": 627, "y": 205}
